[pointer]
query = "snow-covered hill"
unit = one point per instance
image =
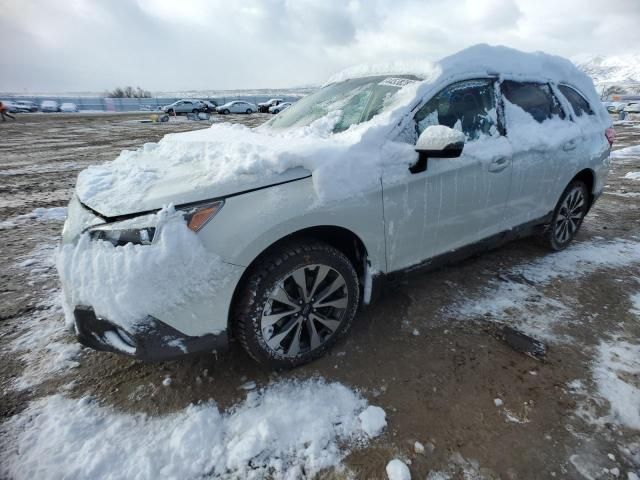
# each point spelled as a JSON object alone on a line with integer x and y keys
{"x": 614, "y": 70}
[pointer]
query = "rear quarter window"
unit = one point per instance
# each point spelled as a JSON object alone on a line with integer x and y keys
{"x": 534, "y": 98}
{"x": 577, "y": 101}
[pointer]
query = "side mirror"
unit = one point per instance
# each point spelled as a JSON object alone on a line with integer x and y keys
{"x": 437, "y": 141}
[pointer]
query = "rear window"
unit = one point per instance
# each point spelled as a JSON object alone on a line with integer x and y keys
{"x": 577, "y": 101}
{"x": 534, "y": 98}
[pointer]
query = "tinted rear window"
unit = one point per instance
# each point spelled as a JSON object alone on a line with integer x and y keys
{"x": 534, "y": 98}
{"x": 577, "y": 101}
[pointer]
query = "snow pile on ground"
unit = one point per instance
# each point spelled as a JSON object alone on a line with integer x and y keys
{"x": 287, "y": 430}
{"x": 516, "y": 297}
{"x": 373, "y": 421}
{"x": 616, "y": 373}
{"x": 633, "y": 175}
{"x": 626, "y": 152}
{"x": 398, "y": 470}
{"x": 635, "y": 304}
{"x": 38, "y": 214}
{"x": 43, "y": 343}
{"x": 343, "y": 164}
{"x": 119, "y": 295}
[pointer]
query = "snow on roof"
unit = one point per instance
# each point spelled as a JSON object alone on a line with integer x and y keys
{"x": 480, "y": 59}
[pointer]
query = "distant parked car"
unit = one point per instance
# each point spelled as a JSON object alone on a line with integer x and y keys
{"x": 632, "y": 108}
{"x": 25, "y": 106}
{"x": 265, "y": 106}
{"x": 278, "y": 108}
{"x": 185, "y": 106}
{"x": 69, "y": 107}
{"x": 615, "y": 107}
{"x": 49, "y": 106}
{"x": 209, "y": 106}
{"x": 237, "y": 107}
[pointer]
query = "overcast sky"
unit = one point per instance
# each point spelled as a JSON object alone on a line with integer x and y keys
{"x": 162, "y": 45}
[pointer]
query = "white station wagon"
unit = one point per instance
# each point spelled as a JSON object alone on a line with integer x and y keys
{"x": 275, "y": 236}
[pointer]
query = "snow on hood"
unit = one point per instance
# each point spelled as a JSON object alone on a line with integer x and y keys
{"x": 227, "y": 159}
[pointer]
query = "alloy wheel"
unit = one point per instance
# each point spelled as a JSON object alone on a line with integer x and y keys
{"x": 304, "y": 309}
{"x": 569, "y": 215}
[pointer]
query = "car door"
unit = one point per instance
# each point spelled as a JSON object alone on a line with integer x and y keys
{"x": 454, "y": 201}
{"x": 537, "y": 128}
{"x": 235, "y": 107}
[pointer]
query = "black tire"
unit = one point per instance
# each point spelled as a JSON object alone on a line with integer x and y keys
{"x": 275, "y": 112}
{"x": 256, "y": 297}
{"x": 226, "y": 111}
{"x": 195, "y": 110}
{"x": 567, "y": 216}
{"x": 249, "y": 111}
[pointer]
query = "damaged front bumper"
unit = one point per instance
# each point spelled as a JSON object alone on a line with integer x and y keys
{"x": 153, "y": 341}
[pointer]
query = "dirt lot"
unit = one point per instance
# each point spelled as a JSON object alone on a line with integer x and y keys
{"x": 418, "y": 353}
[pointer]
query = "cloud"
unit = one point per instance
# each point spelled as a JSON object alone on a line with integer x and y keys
{"x": 92, "y": 45}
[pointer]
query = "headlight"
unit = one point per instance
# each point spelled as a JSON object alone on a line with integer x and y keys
{"x": 142, "y": 236}
{"x": 142, "y": 230}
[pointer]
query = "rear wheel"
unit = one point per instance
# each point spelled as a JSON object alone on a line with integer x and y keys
{"x": 249, "y": 110}
{"x": 195, "y": 110}
{"x": 568, "y": 215}
{"x": 296, "y": 303}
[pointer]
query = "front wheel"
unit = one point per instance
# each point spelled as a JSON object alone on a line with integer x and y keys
{"x": 296, "y": 303}
{"x": 568, "y": 215}
{"x": 226, "y": 111}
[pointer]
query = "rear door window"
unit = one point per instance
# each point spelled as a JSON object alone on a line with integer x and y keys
{"x": 536, "y": 99}
{"x": 468, "y": 106}
{"x": 577, "y": 101}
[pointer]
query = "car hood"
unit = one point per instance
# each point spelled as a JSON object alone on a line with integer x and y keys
{"x": 180, "y": 169}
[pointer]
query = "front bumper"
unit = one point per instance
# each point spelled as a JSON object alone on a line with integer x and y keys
{"x": 153, "y": 341}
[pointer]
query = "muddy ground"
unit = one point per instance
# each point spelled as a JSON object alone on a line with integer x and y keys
{"x": 435, "y": 374}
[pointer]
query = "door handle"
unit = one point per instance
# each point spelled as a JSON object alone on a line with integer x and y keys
{"x": 499, "y": 164}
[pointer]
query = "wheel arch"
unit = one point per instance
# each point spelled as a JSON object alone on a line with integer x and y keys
{"x": 341, "y": 238}
{"x": 588, "y": 176}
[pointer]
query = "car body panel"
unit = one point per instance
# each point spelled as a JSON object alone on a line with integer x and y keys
{"x": 258, "y": 219}
{"x": 181, "y": 190}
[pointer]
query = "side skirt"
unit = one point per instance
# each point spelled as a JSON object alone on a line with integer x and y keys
{"x": 381, "y": 282}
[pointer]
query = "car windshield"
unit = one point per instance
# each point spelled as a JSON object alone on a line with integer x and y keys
{"x": 358, "y": 100}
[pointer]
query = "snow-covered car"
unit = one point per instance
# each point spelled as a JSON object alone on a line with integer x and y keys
{"x": 49, "y": 106}
{"x": 184, "y": 106}
{"x": 69, "y": 107}
{"x": 277, "y": 234}
{"x": 237, "y": 107}
{"x": 280, "y": 107}
{"x": 632, "y": 108}
{"x": 25, "y": 106}
{"x": 264, "y": 107}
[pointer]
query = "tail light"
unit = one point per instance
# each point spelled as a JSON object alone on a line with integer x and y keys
{"x": 610, "y": 133}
